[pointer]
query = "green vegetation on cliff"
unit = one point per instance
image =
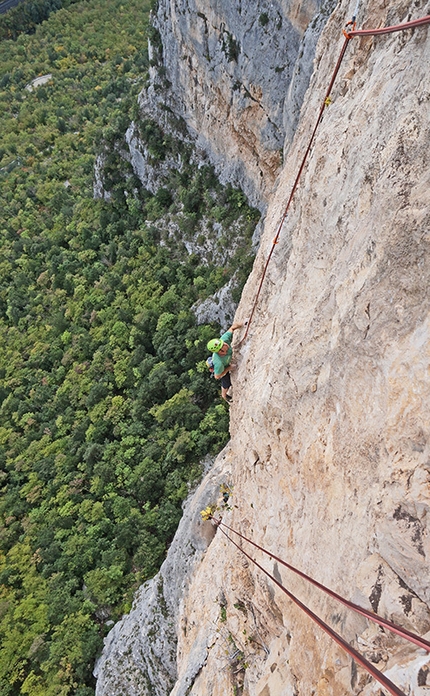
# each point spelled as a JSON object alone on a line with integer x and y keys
{"x": 105, "y": 406}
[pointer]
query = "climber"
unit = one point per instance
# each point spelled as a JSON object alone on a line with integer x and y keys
{"x": 221, "y": 357}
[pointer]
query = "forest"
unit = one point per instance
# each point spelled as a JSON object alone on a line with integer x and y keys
{"x": 107, "y": 408}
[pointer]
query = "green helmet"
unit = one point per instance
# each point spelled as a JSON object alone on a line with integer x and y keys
{"x": 215, "y": 345}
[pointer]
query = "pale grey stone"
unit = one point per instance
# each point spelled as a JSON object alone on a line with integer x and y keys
{"x": 139, "y": 655}
{"x": 330, "y": 431}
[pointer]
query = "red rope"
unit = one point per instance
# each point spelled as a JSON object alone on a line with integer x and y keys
{"x": 379, "y": 676}
{"x": 348, "y": 36}
{"x": 412, "y": 637}
{"x": 390, "y": 30}
{"x": 293, "y": 190}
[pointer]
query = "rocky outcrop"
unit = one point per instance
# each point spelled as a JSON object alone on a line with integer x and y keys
{"x": 220, "y": 307}
{"x": 236, "y": 73}
{"x": 99, "y": 190}
{"x": 140, "y": 651}
{"x": 150, "y": 174}
{"x": 330, "y": 428}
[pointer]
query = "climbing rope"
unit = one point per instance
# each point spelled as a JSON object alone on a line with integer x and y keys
{"x": 326, "y": 101}
{"x": 417, "y": 640}
{"x": 360, "y": 659}
{"x": 412, "y": 637}
{"x": 390, "y": 30}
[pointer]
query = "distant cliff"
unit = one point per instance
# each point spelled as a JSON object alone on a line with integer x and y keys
{"x": 329, "y": 453}
{"x": 236, "y": 73}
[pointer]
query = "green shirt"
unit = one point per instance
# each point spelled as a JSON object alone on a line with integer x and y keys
{"x": 222, "y": 361}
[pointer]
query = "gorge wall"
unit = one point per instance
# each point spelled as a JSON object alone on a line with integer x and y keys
{"x": 329, "y": 457}
{"x": 236, "y": 73}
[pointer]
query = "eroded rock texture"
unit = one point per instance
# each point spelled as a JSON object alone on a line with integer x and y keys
{"x": 329, "y": 456}
{"x": 236, "y": 72}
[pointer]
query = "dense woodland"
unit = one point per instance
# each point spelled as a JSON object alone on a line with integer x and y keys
{"x": 106, "y": 406}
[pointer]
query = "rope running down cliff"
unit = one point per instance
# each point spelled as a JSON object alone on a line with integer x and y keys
{"x": 403, "y": 632}
{"x": 348, "y": 35}
{"x": 360, "y": 659}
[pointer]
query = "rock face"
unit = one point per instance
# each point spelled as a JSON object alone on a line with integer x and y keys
{"x": 237, "y": 74}
{"x": 140, "y": 651}
{"x": 329, "y": 457}
{"x": 220, "y": 307}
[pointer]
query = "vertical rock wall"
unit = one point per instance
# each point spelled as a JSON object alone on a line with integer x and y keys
{"x": 237, "y": 73}
{"x": 330, "y": 424}
{"x": 330, "y": 427}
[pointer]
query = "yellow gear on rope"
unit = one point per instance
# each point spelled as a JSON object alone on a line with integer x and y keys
{"x": 207, "y": 513}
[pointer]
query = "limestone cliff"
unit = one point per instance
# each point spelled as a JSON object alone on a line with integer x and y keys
{"x": 329, "y": 457}
{"x": 236, "y": 73}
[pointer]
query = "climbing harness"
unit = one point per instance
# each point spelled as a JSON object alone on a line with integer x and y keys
{"x": 360, "y": 659}
{"x": 348, "y": 35}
